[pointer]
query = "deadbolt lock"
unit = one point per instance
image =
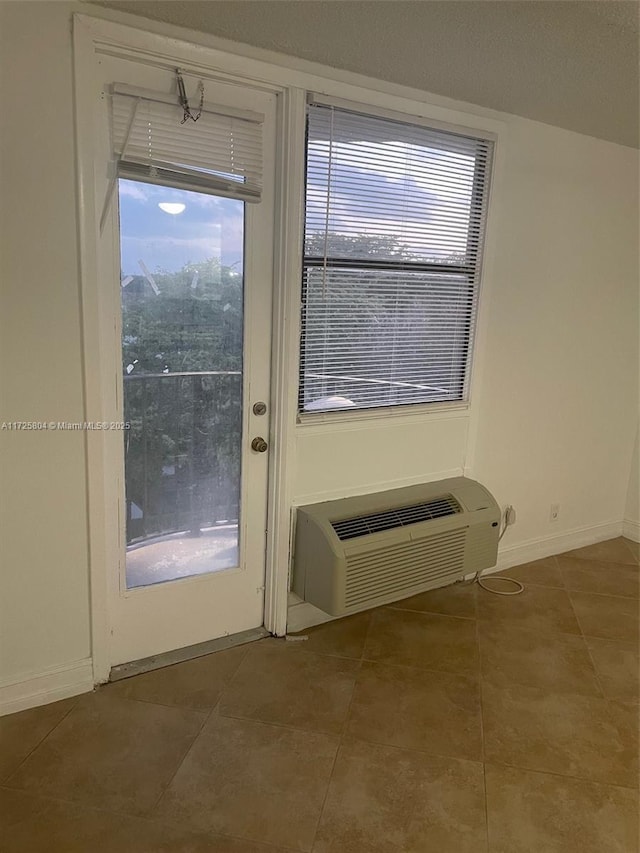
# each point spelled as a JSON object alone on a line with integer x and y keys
{"x": 259, "y": 408}
{"x": 259, "y": 444}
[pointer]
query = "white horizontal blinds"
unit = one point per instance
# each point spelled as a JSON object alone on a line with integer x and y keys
{"x": 394, "y": 225}
{"x": 221, "y": 153}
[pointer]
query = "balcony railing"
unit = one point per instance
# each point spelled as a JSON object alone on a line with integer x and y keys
{"x": 182, "y": 451}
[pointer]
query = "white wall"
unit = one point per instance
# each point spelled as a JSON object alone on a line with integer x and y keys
{"x": 369, "y": 455}
{"x": 555, "y": 407}
{"x": 44, "y": 614}
{"x": 559, "y": 400}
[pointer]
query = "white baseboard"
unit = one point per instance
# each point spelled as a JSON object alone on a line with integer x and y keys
{"x": 303, "y": 615}
{"x": 49, "y": 685}
{"x": 631, "y": 529}
{"x": 548, "y": 546}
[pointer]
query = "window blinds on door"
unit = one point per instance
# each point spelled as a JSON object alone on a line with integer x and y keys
{"x": 220, "y": 153}
{"x": 395, "y": 216}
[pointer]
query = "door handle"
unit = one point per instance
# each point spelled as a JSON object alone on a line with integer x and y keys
{"x": 259, "y": 444}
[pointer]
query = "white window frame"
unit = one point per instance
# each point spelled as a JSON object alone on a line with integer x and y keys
{"x": 292, "y": 79}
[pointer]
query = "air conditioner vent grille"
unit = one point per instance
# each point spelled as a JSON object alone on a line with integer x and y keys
{"x": 364, "y": 525}
{"x": 433, "y": 561}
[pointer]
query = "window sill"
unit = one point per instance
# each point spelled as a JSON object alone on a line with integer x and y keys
{"x": 362, "y": 418}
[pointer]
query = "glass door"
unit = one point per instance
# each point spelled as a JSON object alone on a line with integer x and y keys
{"x": 182, "y": 263}
{"x": 187, "y": 289}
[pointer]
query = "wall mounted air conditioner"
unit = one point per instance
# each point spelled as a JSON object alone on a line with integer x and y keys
{"x": 361, "y": 552}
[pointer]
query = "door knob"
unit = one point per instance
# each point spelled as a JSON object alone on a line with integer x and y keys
{"x": 259, "y": 444}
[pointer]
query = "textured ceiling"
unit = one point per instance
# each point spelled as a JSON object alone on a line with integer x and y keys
{"x": 572, "y": 63}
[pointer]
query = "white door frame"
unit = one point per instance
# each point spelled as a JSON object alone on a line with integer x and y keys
{"x": 88, "y": 34}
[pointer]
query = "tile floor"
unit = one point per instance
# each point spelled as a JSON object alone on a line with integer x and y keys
{"x": 452, "y": 722}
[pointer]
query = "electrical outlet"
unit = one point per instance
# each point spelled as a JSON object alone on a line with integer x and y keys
{"x": 554, "y": 512}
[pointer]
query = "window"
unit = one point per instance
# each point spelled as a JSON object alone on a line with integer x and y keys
{"x": 393, "y": 239}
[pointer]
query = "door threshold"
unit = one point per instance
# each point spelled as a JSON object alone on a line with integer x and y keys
{"x": 138, "y": 667}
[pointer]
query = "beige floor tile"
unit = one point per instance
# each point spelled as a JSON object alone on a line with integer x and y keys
{"x": 603, "y": 578}
{"x": 404, "y": 683}
{"x": 341, "y": 637}
{"x": 538, "y": 608}
{"x": 554, "y": 662}
{"x": 611, "y": 551}
{"x": 196, "y": 683}
{"x": 110, "y": 752}
{"x": 543, "y": 572}
{"x": 22, "y": 732}
{"x": 433, "y": 711}
{"x": 306, "y": 691}
{"x": 456, "y": 600}
{"x": 254, "y": 781}
{"x": 542, "y": 813}
{"x": 607, "y": 616}
{"x": 36, "y": 825}
{"x": 561, "y": 733}
{"x": 387, "y": 800}
{"x": 627, "y": 715}
{"x": 426, "y": 640}
{"x": 618, "y": 668}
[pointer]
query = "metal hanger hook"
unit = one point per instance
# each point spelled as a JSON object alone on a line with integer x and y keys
{"x": 184, "y": 101}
